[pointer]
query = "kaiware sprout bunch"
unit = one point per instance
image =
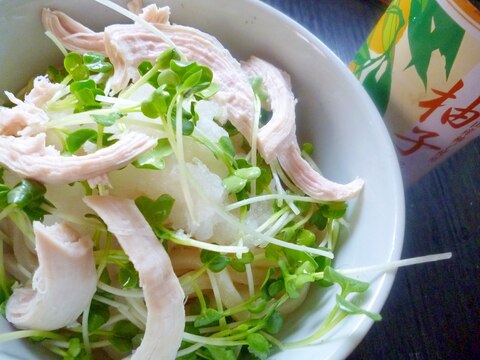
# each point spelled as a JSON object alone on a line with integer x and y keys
{"x": 160, "y": 204}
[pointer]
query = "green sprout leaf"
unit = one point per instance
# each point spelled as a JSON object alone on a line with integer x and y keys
{"x": 274, "y": 322}
{"x": 307, "y": 148}
{"x": 347, "y": 284}
{"x": 76, "y": 139}
{"x": 214, "y": 261}
{"x": 221, "y": 353}
{"x": 154, "y": 159}
{"x": 306, "y": 237}
{"x": 143, "y": 68}
{"x": 123, "y": 336}
{"x": 98, "y": 315}
{"x": 155, "y": 211}
{"x": 107, "y": 120}
{"x": 85, "y": 92}
{"x": 27, "y": 192}
{"x": 73, "y": 63}
{"x": 234, "y": 184}
{"x": 238, "y": 264}
{"x": 208, "y": 317}
{"x": 165, "y": 58}
{"x": 352, "y": 309}
{"x": 250, "y": 173}
{"x": 96, "y": 62}
{"x": 258, "y": 345}
{"x": 157, "y": 104}
{"x": 128, "y": 277}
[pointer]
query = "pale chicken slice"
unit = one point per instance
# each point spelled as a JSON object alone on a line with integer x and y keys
{"x": 24, "y": 119}
{"x": 128, "y": 45}
{"x": 62, "y": 286}
{"x": 43, "y": 90}
{"x": 31, "y": 158}
{"x": 281, "y": 127}
{"x": 73, "y": 35}
{"x": 162, "y": 291}
{"x": 278, "y": 138}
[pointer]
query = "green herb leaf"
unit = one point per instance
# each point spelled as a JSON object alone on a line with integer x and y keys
{"x": 73, "y": 63}
{"x": 155, "y": 212}
{"x": 107, "y": 120}
{"x": 154, "y": 159}
{"x": 275, "y": 288}
{"x": 257, "y": 306}
{"x": 128, "y": 277}
{"x": 27, "y": 192}
{"x": 319, "y": 220}
{"x": 238, "y": 264}
{"x": 165, "y": 58}
{"x": 221, "y": 353}
{"x": 226, "y": 145}
{"x": 143, "y": 68}
{"x": 168, "y": 77}
{"x": 258, "y": 345}
{"x": 96, "y": 62}
{"x": 250, "y": 173}
{"x": 208, "y": 317}
{"x": 55, "y": 75}
{"x": 307, "y": 148}
{"x": 306, "y": 237}
{"x": 259, "y": 89}
{"x": 216, "y": 262}
{"x": 4, "y": 190}
{"x": 76, "y": 139}
{"x": 123, "y": 333}
{"x": 157, "y": 104}
{"x": 74, "y": 347}
{"x": 347, "y": 284}
{"x": 334, "y": 210}
{"x": 98, "y": 315}
{"x": 352, "y": 309}
{"x": 234, "y": 184}
{"x": 274, "y": 322}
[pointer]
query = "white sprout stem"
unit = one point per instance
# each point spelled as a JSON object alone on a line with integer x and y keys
{"x": 284, "y": 177}
{"x": 117, "y": 101}
{"x": 272, "y": 219}
{"x": 250, "y": 281}
{"x": 85, "y": 337}
{"x": 284, "y": 220}
{"x": 13, "y": 267}
{"x": 184, "y": 240}
{"x": 57, "y": 42}
{"x": 216, "y": 291}
{"x": 181, "y": 161}
{"x": 269, "y": 197}
{"x": 124, "y": 310}
{"x": 253, "y": 149}
{"x": 278, "y": 186}
{"x": 139, "y": 20}
{"x": 113, "y": 319}
{"x": 119, "y": 292}
{"x": 189, "y": 350}
{"x": 82, "y": 118}
{"x": 205, "y": 340}
{"x": 139, "y": 306}
{"x": 281, "y": 191}
{"x": 246, "y": 230}
{"x": 395, "y": 264}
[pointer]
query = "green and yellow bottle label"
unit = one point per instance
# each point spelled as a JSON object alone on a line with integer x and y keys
{"x": 421, "y": 66}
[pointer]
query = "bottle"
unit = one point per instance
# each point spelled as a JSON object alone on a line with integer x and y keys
{"x": 421, "y": 66}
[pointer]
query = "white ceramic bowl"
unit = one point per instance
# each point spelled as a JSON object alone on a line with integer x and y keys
{"x": 333, "y": 112}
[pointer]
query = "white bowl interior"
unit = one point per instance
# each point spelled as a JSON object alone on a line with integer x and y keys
{"x": 333, "y": 112}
